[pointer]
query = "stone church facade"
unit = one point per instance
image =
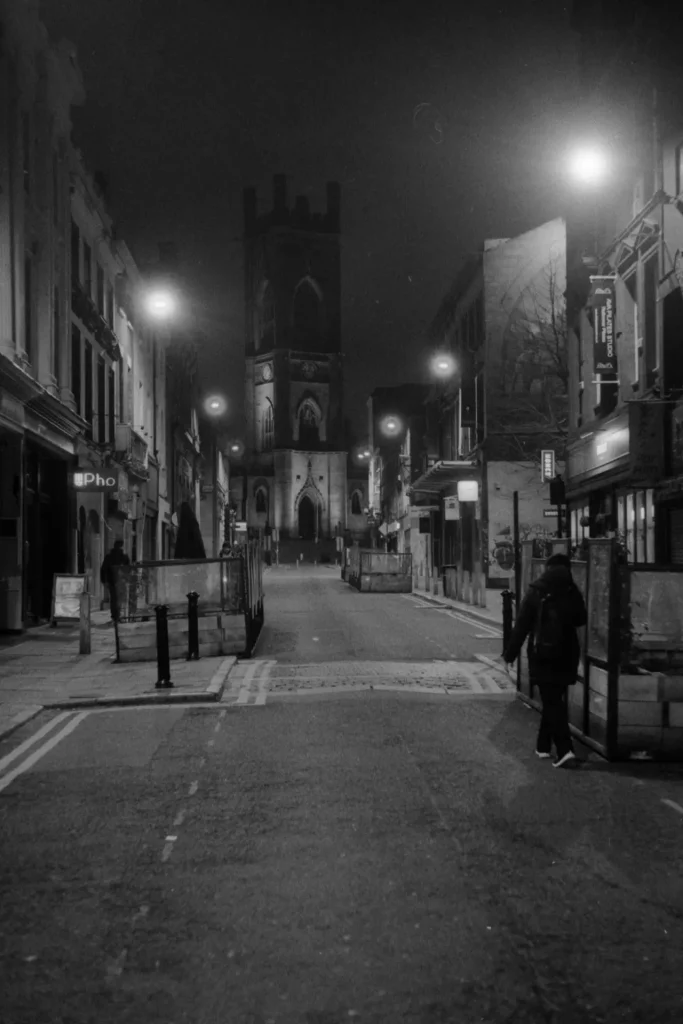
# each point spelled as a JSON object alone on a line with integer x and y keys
{"x": 296, "y": 462}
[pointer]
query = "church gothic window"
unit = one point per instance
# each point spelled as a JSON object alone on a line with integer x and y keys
{"x": 261, "y": 500}
{"x": 356, "y": 509}
{"x": 267, "y": 428}
{"x": 309, "y": 424}
{"x": 265, "y": 318}
{"x": 307, "y": 313}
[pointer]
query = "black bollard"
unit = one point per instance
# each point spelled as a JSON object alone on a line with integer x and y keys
{"x": 163, "y": 660}
{"x": 192, "y": 626}
{"x": 508, "y": 598}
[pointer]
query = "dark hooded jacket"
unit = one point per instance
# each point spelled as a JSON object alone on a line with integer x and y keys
{"x": 557, "y": 582}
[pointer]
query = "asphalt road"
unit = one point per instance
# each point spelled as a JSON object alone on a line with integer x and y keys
{"x": 367, "y": 856}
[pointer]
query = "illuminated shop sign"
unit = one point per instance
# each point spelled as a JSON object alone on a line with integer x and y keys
{"x": 89, "y": 480}
{"x": 604, "y": 349}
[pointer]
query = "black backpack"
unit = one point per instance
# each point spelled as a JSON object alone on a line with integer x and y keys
{"x": 549, "y": 631}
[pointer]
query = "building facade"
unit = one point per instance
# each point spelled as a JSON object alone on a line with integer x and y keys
{"x": 504, "y": 324}
{"x": 296, "y": 476}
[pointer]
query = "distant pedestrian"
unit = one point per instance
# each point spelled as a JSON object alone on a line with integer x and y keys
{"x": 108, "y": 575}
{"x": 550, "y": 614}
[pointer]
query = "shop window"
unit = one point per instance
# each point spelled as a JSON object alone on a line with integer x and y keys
{"x": 650, "y": 275}
{"x": 650, "y": 526}
{"x": 630, "y": 527}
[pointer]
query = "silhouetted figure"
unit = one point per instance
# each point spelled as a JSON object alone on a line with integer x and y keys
{"x": 108, "y": 576}
{"x": 549, "y": 615}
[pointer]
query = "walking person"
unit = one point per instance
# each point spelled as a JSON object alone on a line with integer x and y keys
{"x": 116, "y": 556}
{"x": 551, "y": 612}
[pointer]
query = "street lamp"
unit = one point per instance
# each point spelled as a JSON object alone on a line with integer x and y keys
{"x": 443, "y": 365}
{"x": 588, "y": 165}
{"x": 215, "y": 405}
{"x": 391, "y": 426}
{"x": 161, "y": 304}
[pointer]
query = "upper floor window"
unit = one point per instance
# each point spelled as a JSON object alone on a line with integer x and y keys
{"x": 110, "y": 305}
{"x": 307, "y": 311}
{"x": 356, "y": 508}
{"x": 309, "y": 423}
{"x": 267, "y": 427}
{"x": 650, "y": 285}
{"x": 87, "y": 269}
{"x": 100, "y": 289}
{"x": 75, "y": 254}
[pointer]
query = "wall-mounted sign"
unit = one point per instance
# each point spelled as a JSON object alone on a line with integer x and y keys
{"x": 547, "y": 465}
{"x": 550, "y": 513}
{"x": 468, "y": 490}
{"x": 604, "y": 349}
{"x": 90, "y": 480}
{"x": 452, "y": 508}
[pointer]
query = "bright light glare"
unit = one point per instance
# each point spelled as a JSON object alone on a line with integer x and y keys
{"x": 161, "y": 305}
{"x": 588, "y": 166}
{"x": 391, "y": 425}
{"x": 215, "y": 405}
{"x": 443, "y": 365}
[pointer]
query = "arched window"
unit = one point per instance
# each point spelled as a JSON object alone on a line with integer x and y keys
{"x": 265, "y": 318}
{"x": 261, "y": 500}
{"x": 309, "y": 424}
{"x": 356, "y": 509}
{"x": 307, "y": 312}
{"x": 267, "y": 427}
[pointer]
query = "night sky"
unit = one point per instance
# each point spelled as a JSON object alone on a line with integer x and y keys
{"x": 444, "y": 126}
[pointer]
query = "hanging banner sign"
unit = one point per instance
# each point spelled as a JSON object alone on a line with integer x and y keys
{"x": 602, "y": 300}
{"x": 547, "y": 465}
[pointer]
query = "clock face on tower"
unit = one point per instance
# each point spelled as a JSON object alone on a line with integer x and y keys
{"x": 267, "y": 372}
{"x": 308, "y": 370}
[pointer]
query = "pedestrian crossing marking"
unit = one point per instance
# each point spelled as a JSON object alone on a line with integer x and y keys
{"x": 253, "y": 683}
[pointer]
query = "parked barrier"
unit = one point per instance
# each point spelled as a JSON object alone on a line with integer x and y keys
{"x": 193, "y": 626}
{"x": 163, "y": 660}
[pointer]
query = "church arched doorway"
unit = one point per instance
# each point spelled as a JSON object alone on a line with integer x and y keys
{"x": 307, "y": 514}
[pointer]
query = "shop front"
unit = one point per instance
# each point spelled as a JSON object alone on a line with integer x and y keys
{"x": 614, "y": 473}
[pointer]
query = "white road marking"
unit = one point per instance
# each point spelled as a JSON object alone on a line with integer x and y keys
{"x": 263, "y": 682}
{"x": 673, "y": 804}
{"x": 194, "y": 786}
{"x": 243, "y": 697}
{"x": 179, "y": 818}
{"x": 115, "y": 968}
{"x": 27, "y": 744}
{"x": 45, "y": 749}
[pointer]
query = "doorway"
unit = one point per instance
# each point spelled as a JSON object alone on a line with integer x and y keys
{"x": 307, "y": 517}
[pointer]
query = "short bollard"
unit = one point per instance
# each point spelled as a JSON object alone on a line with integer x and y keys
{"x": 508, "y": 599}
{"x": 192, "y": 626}
{"x": 163, "y": 660}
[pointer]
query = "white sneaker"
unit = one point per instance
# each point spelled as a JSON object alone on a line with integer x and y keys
{"x": 565, "y": 759}
{"x": 543, "y": 754}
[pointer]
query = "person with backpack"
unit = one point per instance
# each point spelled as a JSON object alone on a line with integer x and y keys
{"x": 551, "y": 612}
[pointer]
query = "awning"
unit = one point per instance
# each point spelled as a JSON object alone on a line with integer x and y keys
{"x": 440, "y": 475}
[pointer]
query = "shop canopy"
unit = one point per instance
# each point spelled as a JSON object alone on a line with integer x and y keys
{"x": 441, "y": 474}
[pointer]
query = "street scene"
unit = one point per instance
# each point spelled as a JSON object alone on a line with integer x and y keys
{"x": 357, "y": 829}
{"x": 341, "y": 512}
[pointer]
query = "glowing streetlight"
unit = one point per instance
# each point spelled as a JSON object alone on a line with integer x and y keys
{"x": 391, "y": 425}
{"x": 161, "y": 304}
{"x": 588, "y": 165}
{"x": 215, "y": 405}
{"x": 235, "y": 448}
{"x": 443, "y": 365}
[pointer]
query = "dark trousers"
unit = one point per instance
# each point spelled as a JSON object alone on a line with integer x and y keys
{"x": 554, "y": 727}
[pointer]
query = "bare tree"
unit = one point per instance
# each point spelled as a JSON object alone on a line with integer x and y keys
{"x": 527, "y": 410}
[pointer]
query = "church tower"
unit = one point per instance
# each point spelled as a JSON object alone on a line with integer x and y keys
{"x": 296, "y": 465}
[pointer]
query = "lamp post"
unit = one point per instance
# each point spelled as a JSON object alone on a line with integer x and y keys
{"x": 215, "y": 407}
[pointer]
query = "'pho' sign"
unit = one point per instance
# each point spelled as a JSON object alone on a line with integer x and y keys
{"x": 89, "y": 480}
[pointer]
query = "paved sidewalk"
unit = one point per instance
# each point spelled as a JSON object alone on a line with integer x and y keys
{"x": 43, "y": 669}
{"x": 493, "y": 613}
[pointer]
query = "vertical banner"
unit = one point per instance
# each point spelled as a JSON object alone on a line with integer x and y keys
{"x": 604, "y": 348}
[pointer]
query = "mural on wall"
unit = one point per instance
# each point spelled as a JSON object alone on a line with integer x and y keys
{"x": 504, "y": 478}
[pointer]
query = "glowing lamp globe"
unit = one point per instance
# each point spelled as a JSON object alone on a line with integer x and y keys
{"x": 215, "y": 405}
{"x": 588, "y": 166}
{"x": 161, "y": 305}
{"x": 443, "y": 365}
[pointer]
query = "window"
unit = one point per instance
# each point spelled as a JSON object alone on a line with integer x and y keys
{"x": 28, "y": 309}
{"x": 26, "y": 150}
{"x": 650, "y": 273}
{"x": 110, "y": 305}
{"x": 76, "y": 366}
{"x": 636, "y": 524}
{"x": 75, "y": 254}
{"x": 56, "y": 333}
{"x": 88, "y": 406}
{"x": 56, "y": 197}
{"x": 261, "y": 500}
{"x": 306, "y": 313}
{"x": 267, "y": 439}
{"x": 308, "y": 425}
{"x": 356, "y": 509}
{"x": 111, "y": 406}
{"x": 101, "y": 400}
{"x": 87, "y": 269}
{"x": 100, "y": 289}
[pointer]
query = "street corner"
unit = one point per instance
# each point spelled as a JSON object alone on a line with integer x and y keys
{"x": 13, "y": 716}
